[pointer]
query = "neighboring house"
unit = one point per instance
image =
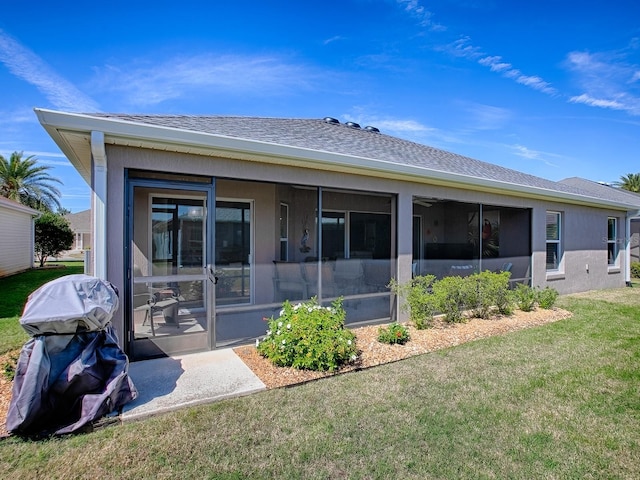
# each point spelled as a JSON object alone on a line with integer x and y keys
{"x": 270, "y": 209}
{"x": 16, "y": 237}
{"x": 80, "y": 224}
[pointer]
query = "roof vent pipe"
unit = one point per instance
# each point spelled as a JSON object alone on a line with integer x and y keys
{"x": 352, "y": 125}
{"x": 369, "y": 128}
{"x": 331, "y": 120}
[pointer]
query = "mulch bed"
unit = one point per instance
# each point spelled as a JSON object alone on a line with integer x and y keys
{"x": 371, "y": 352}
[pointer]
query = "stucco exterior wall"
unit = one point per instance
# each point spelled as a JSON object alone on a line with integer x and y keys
{"x": 584, "y": 264}
{"x": 16, "y": 241}
{"x": 634, "y": 240}
{"x": 584, "y": 229}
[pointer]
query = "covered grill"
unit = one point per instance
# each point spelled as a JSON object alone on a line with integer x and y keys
{"x": 72, "y": 371}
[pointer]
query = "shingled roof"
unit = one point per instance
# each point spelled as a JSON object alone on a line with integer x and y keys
{"x": 387, "y": 152}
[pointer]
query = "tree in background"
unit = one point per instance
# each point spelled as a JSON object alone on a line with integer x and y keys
{"x": 53, "y": 235}
{"x": 22, "y": 180}
{"x": 630, "y": 182}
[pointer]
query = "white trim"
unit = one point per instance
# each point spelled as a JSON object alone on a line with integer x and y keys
{"x": 99, "y": 199}
{"x": 560, "y": 252}
{"x": 614, "y": 242}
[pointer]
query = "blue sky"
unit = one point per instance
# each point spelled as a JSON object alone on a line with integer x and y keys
{"x": 550, "y": 88}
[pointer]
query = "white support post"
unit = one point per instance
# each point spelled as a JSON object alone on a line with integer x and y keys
{"x": 99, "y": 200}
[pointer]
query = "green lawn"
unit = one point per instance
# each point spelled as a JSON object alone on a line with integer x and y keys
{"x": 15, "y": 290}
{"x": 558, "y": 401}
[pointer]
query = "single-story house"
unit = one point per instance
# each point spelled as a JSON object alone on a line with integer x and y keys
{"x": 17, "y": 237}
{"x": 206, "y": 224}
{"x": 80, "y": 223}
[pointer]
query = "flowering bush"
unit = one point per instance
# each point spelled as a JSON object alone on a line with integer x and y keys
{"x": 394, "y": 333}
{"x": 309, "y": 336}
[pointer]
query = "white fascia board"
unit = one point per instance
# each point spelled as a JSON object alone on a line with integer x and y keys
{"x": 121, "y": 132}
{"x": 18, "y": 207}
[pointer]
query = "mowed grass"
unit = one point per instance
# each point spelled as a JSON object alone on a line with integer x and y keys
{"x": 558, "y": 401}
{"x": 15, "y": 290}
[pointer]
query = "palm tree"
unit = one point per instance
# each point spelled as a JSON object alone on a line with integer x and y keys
{"x": 630, "y": 182}
{"x": 22, "y": 180}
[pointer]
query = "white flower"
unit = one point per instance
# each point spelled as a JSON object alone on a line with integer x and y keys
{"x": 281, "y": 312}
{"x": 348, "y": 342}
{"x": 257, "y": 342}
{"x": 353, "y": 357}
{"x": 309, "y": 309}
{"x": 278, "y": 332}
{"x": 289, "y": 326}
{"x": 279, "y": 324}
{"x": 268, "y": 332}
{"x": 284, "y": 341}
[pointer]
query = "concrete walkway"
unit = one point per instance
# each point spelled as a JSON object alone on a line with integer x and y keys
{"x": 169, "y": 383}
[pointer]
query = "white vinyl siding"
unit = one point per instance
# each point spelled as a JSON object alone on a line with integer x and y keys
{"x": 16, "y": 241}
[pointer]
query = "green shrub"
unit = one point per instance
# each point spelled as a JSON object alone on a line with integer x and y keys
{"x": 418, "y": 299}
{"x": 525, "y": 297}
{"x": 547, "y": 298}
{"x": 505, "y": 298}
{"x": 394, "y": 333}
{"x": 450, "y": 298}
{"x": 309, "y": 336}
{"x": 484, "y": 291}
{"x": 635, "y": 269}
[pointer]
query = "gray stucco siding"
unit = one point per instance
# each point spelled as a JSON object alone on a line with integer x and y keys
{"x": 584, "y": 228}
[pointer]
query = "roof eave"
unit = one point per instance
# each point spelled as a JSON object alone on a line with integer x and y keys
{"x": 121, "y": 132}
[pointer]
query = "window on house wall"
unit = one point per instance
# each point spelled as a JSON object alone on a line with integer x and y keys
{"x": 333, "y": 234}
{"x": 284, "y": 232}
{"x": 554, "y": 235}
{"x": 612, "y": 244}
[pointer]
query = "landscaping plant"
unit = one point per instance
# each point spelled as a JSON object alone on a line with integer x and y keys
{"x": 547, "y": 298}
{"x": 484, "y": 291}
{"x": 450, "y": 298}
{"x": 393, "y": 334}
{"x": 309, "y": 336}
{"x": 419, "y": 302}
{"x": 525, "y": 297}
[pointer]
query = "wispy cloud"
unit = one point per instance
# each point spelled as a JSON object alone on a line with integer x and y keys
{"x": 335, "y": 38}
{"x": 463, "y": 48}
{"x": 147, "y": 84}
{"x": 25, "y": 64}
{"x": 607, "y": 79}
{"x": 529, "y": 154}
{"x": 421, "y": 14}
{"x": 486, "y": 117}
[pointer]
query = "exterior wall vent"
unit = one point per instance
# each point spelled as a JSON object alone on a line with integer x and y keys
{"x": 331, "y": 120}
{"x": 352, "y": 125}
{"x": 371, "y": 129}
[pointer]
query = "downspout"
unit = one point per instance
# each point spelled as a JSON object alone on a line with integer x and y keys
{"x": 33, "y": 238}
{"x": 99, "y": 201}
{"x": 627, "y": 270}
